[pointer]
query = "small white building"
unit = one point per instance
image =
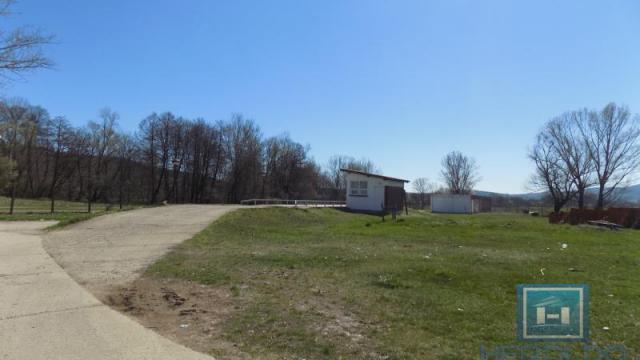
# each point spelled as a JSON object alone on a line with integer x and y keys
{"x": 375, "y": 193}
{"x": 459, "y": 203}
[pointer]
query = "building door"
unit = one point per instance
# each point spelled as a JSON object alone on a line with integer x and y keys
{"x": 394, "y": 198}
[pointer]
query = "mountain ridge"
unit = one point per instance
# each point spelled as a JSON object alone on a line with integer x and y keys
{"x": 629, "y": 193}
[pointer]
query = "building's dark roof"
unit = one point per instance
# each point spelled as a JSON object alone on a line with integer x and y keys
{"x": 373, "y": 175}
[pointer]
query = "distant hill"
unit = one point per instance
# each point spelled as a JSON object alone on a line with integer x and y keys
{"x": 630, "y": 193}
{"x": 526, "y": 196}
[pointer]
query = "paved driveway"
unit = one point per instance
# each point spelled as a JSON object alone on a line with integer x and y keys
{"x": 45, "y": 314}
{"x": 111, "y": 251}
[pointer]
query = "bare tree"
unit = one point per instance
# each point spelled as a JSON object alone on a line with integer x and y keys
{"x": 100, "y": 150}
{"x": 6, "y": 171}
{"x": 13, "y": 114}
{"x": 551, "y": 174}
{"x": 286, "y": 168}
{"x": 59, "y": 142}
{"x": 365, "y": 165}
{"x": 422, "y": 186}
{"x": 147, "y": 138}
{"x": 244, "y": 152}
{"x": 166, "y": 123}
{"x": 459, "y": 172}
{"x": 572, "y": 150}
{"x": 337, "y": 162}
{"x": 612, "y": 139}
{"x": 204, "y": 160}
{"x": 21, "y": 48}
{"x": 126, "y": 153}
{"x": 33, "y": 161}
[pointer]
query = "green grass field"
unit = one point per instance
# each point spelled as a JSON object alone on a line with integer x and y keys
{"x": 322, "y": 283}
{"x": 66, "y": 212}
{"x": 44, "y": 205}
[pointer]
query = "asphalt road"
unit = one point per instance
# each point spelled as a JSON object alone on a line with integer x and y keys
{"x": 44, "y": 311}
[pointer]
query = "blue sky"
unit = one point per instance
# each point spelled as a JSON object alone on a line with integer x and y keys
{"x": 399, "y": 82}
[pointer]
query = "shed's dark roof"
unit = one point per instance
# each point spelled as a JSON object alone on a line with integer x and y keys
{"x": 373, "y": 175}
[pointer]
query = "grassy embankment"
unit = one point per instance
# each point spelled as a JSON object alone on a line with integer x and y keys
{"x": 321, "y": 283}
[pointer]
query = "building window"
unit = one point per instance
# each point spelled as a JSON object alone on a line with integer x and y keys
{"x": 358, "y": 188}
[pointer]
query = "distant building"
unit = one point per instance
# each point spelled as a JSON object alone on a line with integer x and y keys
{"x": 481, "y": 203}
{"x": 460, "y": 203}
{"x": 373, "y": 192}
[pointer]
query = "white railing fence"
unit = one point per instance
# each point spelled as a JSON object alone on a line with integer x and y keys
{"x": 315, "y": 203}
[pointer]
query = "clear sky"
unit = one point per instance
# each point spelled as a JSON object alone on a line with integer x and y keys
{"x": 399, "y": 82}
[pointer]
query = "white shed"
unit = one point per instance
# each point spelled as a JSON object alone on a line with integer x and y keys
{"x": 459, "y": 203}
{"x": 373, "y": 192}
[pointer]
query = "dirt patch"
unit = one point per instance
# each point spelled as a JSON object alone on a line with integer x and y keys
{"x": 195, "y": 316}
{"x": 338, "y": 324}
{"x": 330, "y": 320}
{"x": 188, "y": 313}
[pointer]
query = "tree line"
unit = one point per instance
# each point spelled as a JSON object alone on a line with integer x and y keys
{"x": 169, "y": 158}
{"x": 585, "y": 148}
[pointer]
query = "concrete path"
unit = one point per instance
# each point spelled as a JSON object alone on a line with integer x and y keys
{"x": 45, "y": 314}
{"x": 111, "y": 251}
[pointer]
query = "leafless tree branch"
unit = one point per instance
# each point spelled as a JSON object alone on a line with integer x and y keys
{"x": 459, "y": 172}
{"x": 21, "y": 49}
